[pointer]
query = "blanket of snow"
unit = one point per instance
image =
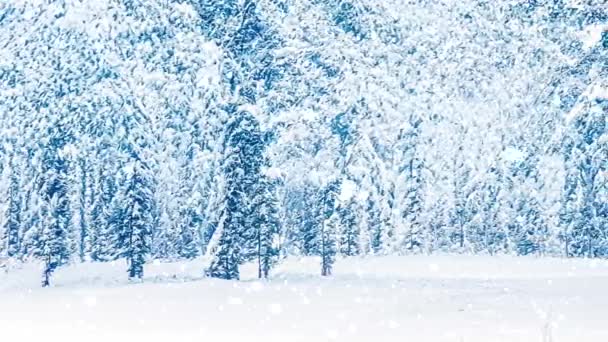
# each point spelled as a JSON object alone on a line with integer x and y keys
{"x": 410, "y": 298}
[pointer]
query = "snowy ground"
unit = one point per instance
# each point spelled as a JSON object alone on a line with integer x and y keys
{"x": 421, "y": 298}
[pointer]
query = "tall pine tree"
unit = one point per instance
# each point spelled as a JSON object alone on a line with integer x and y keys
{"x": 266, "y": 221}
{"x": 52, "y": 242}
{"x": 242, "y": 171}
{"x": 136, "y": 219}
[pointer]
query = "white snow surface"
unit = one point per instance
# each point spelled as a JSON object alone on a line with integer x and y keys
{"x": 591, "y": 35}
{"x": 409, "y": 298}
{"x": 511, "y": 154}
{"x": 347, "y": 190}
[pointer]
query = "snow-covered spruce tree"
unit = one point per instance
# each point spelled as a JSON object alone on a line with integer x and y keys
{"x": 329, "y": 225}
{"x": 104, "y": 216}
{"x": 189, "y": 207}
{"x": 225, "y": 264}
{"x": 135, "y": 223}
{"x": 31, "y": 213}
{"x": 4, "y": 204}
{"x": 167, "y": 240}
{"x": 329, "y": 243}
{"x": 82, "y": 206}
{"x": 569, "y": 216}
{"x": 587, "y": 154}
{"x": 349, "y": 234}
{"x": 527, "y": 232}
{"x": 244, "y": 148}
{"x": 189, "y": 246}
{"x": 374, "y": 226}
{"x": 191, "y": 203}
{"x": 10, "y": 208}
{"x": 494, "y": 234}
{"x": 265, "y": 219}
{"x": 410, "y": 186}
{"x": 308, "y": 236}
{"x": 52, "y": 238}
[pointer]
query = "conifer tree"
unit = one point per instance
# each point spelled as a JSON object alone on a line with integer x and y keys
{"x": 410, "y": 186}
{"x": 307, "y": 221}
{"x": 83, "y": 206}
{"x": 329, "y": 225}
{"x": 4, "y": 200}
{"x": 52, "y": 242}
{"x": 349, "y": 234}
{"x": 587, "y": 154}
{"x": 189, "y": 246}
{"x": 266, "y": 221}
{"x": 329, "y": 244}
{"x": 136, "y": 219}
{"x": 241, "y": 170}
{"x": 104, "y": 217}
{"x": 10, "y": 208}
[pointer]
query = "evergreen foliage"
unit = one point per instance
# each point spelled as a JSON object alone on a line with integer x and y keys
{"x": 241, "y": 130}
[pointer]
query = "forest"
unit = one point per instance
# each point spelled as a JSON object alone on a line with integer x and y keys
{"x": 250, "y": 131}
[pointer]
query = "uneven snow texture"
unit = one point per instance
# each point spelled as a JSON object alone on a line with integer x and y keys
{"x": 416, "y": 298}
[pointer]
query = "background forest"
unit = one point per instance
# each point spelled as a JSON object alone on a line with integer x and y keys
{"x": 252, "y": 130}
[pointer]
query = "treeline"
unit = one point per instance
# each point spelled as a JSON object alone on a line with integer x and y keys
{"x": 253, "y": 130}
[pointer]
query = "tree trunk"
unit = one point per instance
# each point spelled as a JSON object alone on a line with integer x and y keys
{"x": 259, "y": 255}
{"x": 46, "y": 282}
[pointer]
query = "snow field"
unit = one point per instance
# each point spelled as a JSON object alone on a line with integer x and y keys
{"x": 410, "y": 298}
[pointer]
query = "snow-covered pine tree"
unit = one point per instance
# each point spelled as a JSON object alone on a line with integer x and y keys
{"x": 104, "y": 217}
{"x": 329, "y": 245}
{"x": 410, "y": 186}
{"x": 587, "y": 155}
{"x": 136, "y": 221}
{"x": 350, "y": 228}
{"x": 190, "y": 207}
{"x": 169, "y": 198}
{"x": 190, "y": 214}
{"x": 308, "y": 234}
{"x": 82, "y": 206}
{"x": 226, "y": 260}
{"x": 242, "y": 170}
{"x": 569, "y": 215}
{"x": 265, "y": 213}
{"x": 329, "y": 225}
{"x": 10, "y": 208}
{"x": 462, "y": 188}
{"x": 134, "y": 215}
{"x": 189, "y": 246}
{"x": 52, "y": 240}
{"x": 4, "y": 205}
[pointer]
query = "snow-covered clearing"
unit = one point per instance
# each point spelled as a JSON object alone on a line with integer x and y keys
{"x": 415, "y": 298}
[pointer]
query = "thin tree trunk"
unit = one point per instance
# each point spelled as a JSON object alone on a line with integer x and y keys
{"x": 130, "y": 255}
{"x": 46, "y": 282}
{"x": 324, "y": 268}
{"x": 259, "y": 254}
